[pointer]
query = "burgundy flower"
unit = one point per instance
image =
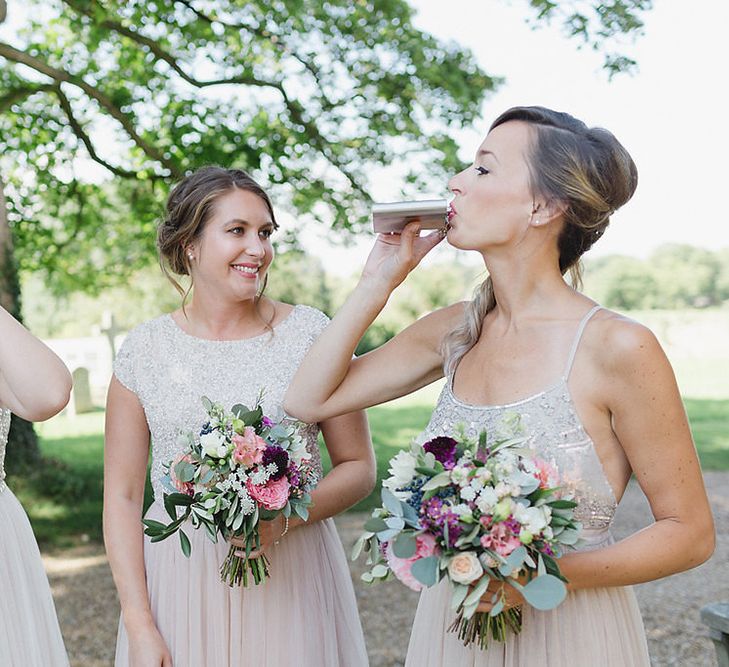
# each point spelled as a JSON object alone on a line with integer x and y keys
{"x": 444, "y": 450}
{"x": 279, "y": 456}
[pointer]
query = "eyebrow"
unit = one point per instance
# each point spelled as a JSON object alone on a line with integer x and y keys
{"x": 240, "y": 221}
{"x": 483, "y": 153}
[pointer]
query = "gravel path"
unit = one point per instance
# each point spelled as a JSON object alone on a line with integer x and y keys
{"x": 88, "y": 608}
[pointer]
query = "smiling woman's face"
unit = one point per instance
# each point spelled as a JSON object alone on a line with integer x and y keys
{"x": 234, "y": 250}
{"x": 493, "y": 200}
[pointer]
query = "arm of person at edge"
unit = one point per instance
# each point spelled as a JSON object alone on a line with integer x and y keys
{"x": 351, "y": 478}
{"x": 330, "y": 382}
{"x": 126, "y": 452}
{"x": 641, "y": 400}
{"x": 34, "y": 382}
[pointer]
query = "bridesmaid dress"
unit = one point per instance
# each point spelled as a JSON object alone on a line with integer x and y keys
{"x": 599, "y": 627}
{"x": 306, "y": 612}
{"x": 29, "y": 631}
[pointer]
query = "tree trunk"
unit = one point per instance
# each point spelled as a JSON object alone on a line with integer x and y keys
{"x": 22, "y": 443}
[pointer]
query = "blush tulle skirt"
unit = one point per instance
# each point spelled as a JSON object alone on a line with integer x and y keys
{"x": 305, "y": 614}
{"x": 29, "y": 631}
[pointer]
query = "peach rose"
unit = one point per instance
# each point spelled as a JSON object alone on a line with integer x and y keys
{"x": 465, "y": 568}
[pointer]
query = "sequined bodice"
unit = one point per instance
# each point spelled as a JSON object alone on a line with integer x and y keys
{"x": 170, "y": 370}
{"x": 4, "y": 429}
{"x": 553, "y": 430}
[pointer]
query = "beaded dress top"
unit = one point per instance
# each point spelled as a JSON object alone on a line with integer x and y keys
{"x": 170, "y": 370}
{"x": 4, "y": 429}
{"x": 553, "y": 430}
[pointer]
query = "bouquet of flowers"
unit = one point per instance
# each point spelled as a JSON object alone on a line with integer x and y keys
{"x": 239, "y": 469}
{"x": 473, "y": 513}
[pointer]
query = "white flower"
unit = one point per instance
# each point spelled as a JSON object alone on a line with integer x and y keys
{"x": 260, "y": 476}
{"x": 463, "y": 511}
{"x": 483, "y": 474}
{"x": 402, "y": 472}
{"x": 502, "y": 489}
{"x": 487, "y": 500}
{"x": 533, "y": 519}
{"x": 468, "y": 492}
{"x": 246, "y": 503}
{"x": 459, "y": 475}
{"x": 465, "y": 568}
{"x": 214, "y": 444}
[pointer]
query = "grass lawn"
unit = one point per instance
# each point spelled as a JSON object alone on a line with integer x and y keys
{"x": 64, "y": 504}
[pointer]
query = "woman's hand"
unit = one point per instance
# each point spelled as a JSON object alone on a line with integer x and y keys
{"x": 147, "y": 648}
{"x": 512, "y": 597}
{"x": 395, "y": 255}
{"x": 269, "y": 533}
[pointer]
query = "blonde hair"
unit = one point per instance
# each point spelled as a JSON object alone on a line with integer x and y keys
{"x": 588, "y": 171}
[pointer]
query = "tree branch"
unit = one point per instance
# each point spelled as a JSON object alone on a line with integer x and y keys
{"x": 84, "y": 137}
{"x": 163, "y": 55}
{"x": 3, "y": 10}
{"x": 59, "y": 75}
{"x": 15, "y": 95}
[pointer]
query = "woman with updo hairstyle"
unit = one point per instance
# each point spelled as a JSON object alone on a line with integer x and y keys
{"x": 594, "y": 390}
{"x": 230, "y": 343}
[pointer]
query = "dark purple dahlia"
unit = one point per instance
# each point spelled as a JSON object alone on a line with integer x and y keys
{"x": 279, "y": 456}
{"x": 444, "y": 450}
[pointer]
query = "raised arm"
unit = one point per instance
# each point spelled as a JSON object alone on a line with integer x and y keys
{"x": 34, "y": 383}
{"x": 329, "y": 382}
{"x": 126, "y": 450}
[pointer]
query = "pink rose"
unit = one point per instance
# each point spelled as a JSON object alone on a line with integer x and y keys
{"x": 187, "y": 488}
{"x": 500, "y": 539}
{"x": 273, "y": 495}
{"x": 401, "y": 567}
{"x": 546, "y": 474}
{"x": 248, "y": 447}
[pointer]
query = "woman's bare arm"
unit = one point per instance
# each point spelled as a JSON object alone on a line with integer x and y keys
{"x": 34, "y": 383}
{"x": 126, "y": 451}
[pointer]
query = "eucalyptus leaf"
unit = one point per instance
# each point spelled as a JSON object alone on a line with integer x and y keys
{"x": 302, "y": 512}
{"x": 358, "y": 546}
{"x": 367, "y": 577}
{"x": 425, "y": 570}
{"x": 379, "y": 571}
{"x": 545, "y": 592}
{"x": 395, "y": 523}
{"x": 405, "y": 545}
{"x": 569, "y": 536}
{"x": 497, "y": 608}
{"x": 410, "y": 516}
{"x": 391, "y": 503}
{"x": 440, "y": 480}
{"x": 475, "y": 595}
{"x": 460, "y": 591}
{"x": 207, "y": 403}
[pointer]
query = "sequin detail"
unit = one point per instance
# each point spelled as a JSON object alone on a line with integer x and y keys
{"x": 553, "y": 430}
{"x": 4, "y": 430}
{"x": 169, "y": 370}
